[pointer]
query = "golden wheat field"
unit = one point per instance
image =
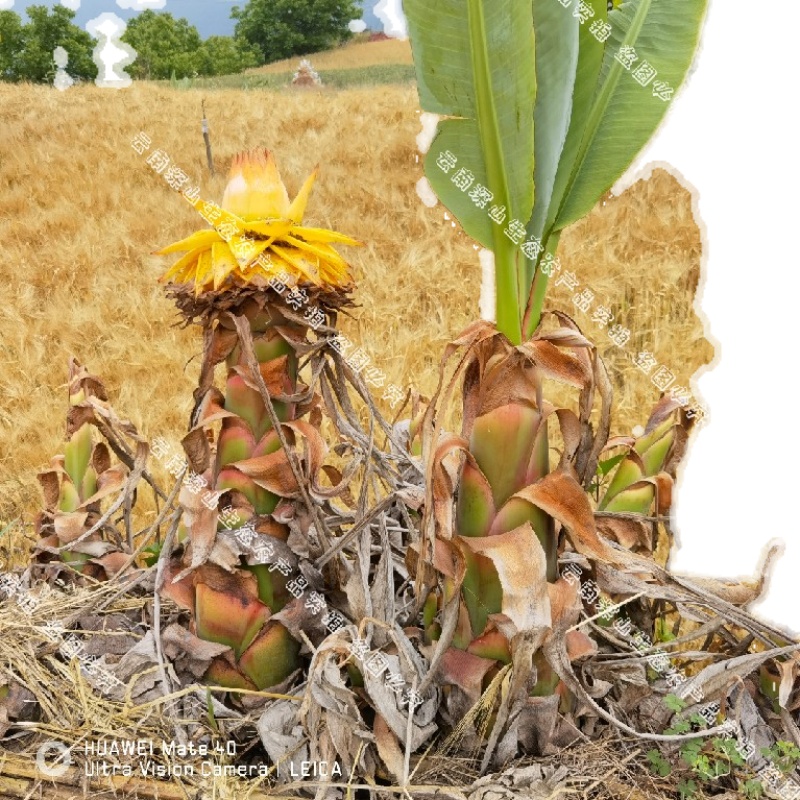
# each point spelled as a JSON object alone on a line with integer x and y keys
{"x": 350, "y": 56}
{"x": 81, "y": 212}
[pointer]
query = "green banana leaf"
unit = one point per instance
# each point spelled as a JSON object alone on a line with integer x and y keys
{"x": 590, "y": 60}
{"x": 558, "y": 34}
{"x": 475, "y": 65}
{"x": 647, "y": 56}
{"x": 568, "y": 84}
{"x": 544, "y": 99}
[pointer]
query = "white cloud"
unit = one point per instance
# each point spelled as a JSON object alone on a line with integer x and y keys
{"x": 73, "y": 5}
{"x": 6, "y": 4}
{"x": 141, "y": 5}
{"x": 357, "y": 25}
{"x": 390, "y": 13}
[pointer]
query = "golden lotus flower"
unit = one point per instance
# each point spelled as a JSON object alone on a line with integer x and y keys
{"x": 257, "y": 234}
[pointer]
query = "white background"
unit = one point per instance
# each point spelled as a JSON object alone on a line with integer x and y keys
{"x": 732, "y": 133}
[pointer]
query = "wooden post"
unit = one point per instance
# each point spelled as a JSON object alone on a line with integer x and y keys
{"x": 207, "y": 140}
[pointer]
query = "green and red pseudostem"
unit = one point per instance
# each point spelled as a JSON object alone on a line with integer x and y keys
{"x": 540, "y": 116}
{"x": 238, "y": 280}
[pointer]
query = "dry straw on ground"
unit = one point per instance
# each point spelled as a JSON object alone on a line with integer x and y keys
{"x": 81, "y": 212}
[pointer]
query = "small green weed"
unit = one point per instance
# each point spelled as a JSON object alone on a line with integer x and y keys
{"x": 784, "y": 755}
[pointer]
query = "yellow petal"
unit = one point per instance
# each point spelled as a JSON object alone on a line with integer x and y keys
{"x": 222, "y": 267}
{"x": 298, "y": 207}
{"x": 278, "y": 264}
{"x": 255, "y": 189}
{"x": 246, "y": 251}
{"x": 184, "y": 261}
{"x": 201, "y": 276}
{"x": 198, "y": 239}
{"x": 324, "y": 235}
{"x": 255, "y": 217}
{"x": 296, "y": 260}
{"x": 205, "y": 266}
{"x": 320, "y": 251}
{"x": 185, "y": 275}
{"x": 276, "y": 228}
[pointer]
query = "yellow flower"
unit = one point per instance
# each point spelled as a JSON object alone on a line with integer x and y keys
{"x": 257, "y": 234}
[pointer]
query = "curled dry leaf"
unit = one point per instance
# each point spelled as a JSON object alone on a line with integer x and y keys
{"x": 200, "y": 522}
{"x": 718, "y": 677}
{"x": 446, "y": 462}
{"x": 561, "y": 496}
{"x": 554, "y": 363}
{"x": 138, "y": 672}
{"x": 329, "y": 711}
{"x": 467, "y": 673}
{"x": 283, "y": 738}
{"x": 534, "y": 782}
{"x": 631, "y": 533}
{"x": 50, "y": 482}
{"x": 579, "y": 645}
{"x": 536, "y": 724}
{"x": 789, "y": 669}
{"x": 389, "y": 704}
{"x": 69, "y": 526}
{"x": 197, "y": 449}
{"x": 296, "y": 616}
{"x": 526, "y": 602}
{"x": 190, "y": 654}
{"x": 108, "y": 482}
{"x": 112, "y": 563}
{"x": 389, "y": 749}
{"x": 272, "y": 472}
{"x": 73, "y": 527}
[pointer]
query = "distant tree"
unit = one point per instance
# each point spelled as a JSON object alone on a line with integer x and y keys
{"x": 33, "y": 45}
{"x": 285, "y": 28}
{"x": 164, "y": 45}
{"x": 226, "y": 55}
{"x": 11, "y": 43}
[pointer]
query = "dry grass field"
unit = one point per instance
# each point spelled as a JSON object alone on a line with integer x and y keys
{"x": 81, "y": 212}
{"x": 354, "y": 55}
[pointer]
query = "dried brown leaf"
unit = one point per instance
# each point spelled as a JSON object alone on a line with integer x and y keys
{"x": 630, "y": 533}
{"x": 69, "y": 525}
{"x": 526, "y": 602}
{"x": 50, "y": 482}
{"x": 562, "y": 497}
{"x": 272, "y": 472}
{"x": 389, "y": 748}
{"x": 197, "y": 449}
{"x": 101, "y": 458}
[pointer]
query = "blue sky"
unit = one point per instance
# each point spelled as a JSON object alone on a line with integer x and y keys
{"x": 208, "y": 16}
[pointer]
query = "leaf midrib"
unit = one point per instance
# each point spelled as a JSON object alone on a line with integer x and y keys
{"x": 508, "y": 312}
{"x": 485, "y": 108}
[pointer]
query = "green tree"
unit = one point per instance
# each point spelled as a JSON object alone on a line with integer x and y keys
{"x": 47, "y": 29}
{"x": 285, "y": 28}
{"x": 163, "y": 45}
{"x": 11, "y": 43}
{"x": 226, "y": 55}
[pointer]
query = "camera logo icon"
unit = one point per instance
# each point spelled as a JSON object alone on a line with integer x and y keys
{"x": 53, "y": 758}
